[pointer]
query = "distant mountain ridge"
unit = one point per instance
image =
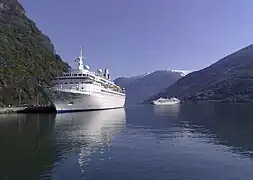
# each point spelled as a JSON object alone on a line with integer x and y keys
{"x": 229, "y": 79}
{"x": 182, "y": 72}
{"x": 138, "y": 88}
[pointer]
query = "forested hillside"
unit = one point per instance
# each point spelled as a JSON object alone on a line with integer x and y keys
{"x": 26, "y": 57}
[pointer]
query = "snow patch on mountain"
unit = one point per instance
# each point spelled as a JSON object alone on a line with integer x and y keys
{"x": 182, "y": 72}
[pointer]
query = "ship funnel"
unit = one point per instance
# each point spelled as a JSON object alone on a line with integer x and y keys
{"x": 106, "y": 73}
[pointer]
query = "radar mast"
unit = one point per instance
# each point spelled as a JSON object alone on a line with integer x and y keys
{"x": 80, "y": 59}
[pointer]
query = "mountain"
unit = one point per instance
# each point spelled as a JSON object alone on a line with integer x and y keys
{"x": 139, "y": 88}
{"x": 229, "y": 79}
{"x": 27, "y": 57}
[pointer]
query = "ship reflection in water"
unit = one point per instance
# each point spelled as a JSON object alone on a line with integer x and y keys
{"x": 89, "y": 132}
{"x": 36, "y": 145}
{"x": 167, "y": 110}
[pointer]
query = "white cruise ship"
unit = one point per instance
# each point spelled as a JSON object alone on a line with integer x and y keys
{"x": 81, "y": 89}
{"x": 165, "y": 101}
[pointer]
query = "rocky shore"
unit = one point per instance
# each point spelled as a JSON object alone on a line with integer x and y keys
{"x": 11, "y": 110}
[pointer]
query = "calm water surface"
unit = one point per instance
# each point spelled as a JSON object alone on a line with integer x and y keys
{"x": 185, "y": 142}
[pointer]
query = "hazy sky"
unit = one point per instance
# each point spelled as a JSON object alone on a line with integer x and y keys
{"x": 131, "y": 37}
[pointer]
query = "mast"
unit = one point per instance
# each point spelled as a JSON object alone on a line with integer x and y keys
{"x": 80, "y": 59}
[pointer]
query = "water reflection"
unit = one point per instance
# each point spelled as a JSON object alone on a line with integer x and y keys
{"x": 34, "y": 145}
{"x": 170, "y": 110}
{"x": 92, "y": 126}
{"x": 27, "y": 147}
{"x": 160, "y": 122}
{"x": 208, "y": 141}
{"x": 89, "y": 132}
{"x": 229, "y": 125}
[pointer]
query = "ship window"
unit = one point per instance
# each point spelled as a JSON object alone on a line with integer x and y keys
{"x": 79, "y": 74}
{"x": 76, "y": 82}
{"x": 75, "y": 74}
{"x": 82, "y": 87}
{"x": 65, "y": 83}
{"x": 71, "y": 83}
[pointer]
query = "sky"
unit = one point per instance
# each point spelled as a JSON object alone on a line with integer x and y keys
{"x": 132, "y": 37}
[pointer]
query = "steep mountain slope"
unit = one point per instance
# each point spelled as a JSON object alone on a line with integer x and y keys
{"x": 229, "y": 79}
{"x": 26, "y": 55}
{"x": 139, "y": 88}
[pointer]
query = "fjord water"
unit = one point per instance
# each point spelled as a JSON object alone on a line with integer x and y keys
{"x": 197, "y": 142}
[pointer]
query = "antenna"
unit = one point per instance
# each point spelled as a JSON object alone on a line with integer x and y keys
{"x": 80, "y": 59}
{"x": 81, "y": 52}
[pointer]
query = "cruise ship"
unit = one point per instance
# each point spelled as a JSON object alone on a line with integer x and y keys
{"x": 166, "y": 101}
{"x": 81, "y": 89}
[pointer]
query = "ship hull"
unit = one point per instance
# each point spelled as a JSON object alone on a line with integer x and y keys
{"x": 69, "y": 102}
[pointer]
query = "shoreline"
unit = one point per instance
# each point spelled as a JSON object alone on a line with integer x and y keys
{"x": 8, "y": 110}
{"x": 31, "y": 109}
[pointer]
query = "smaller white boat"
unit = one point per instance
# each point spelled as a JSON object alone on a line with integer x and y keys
{"x": 166, "y": 101}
